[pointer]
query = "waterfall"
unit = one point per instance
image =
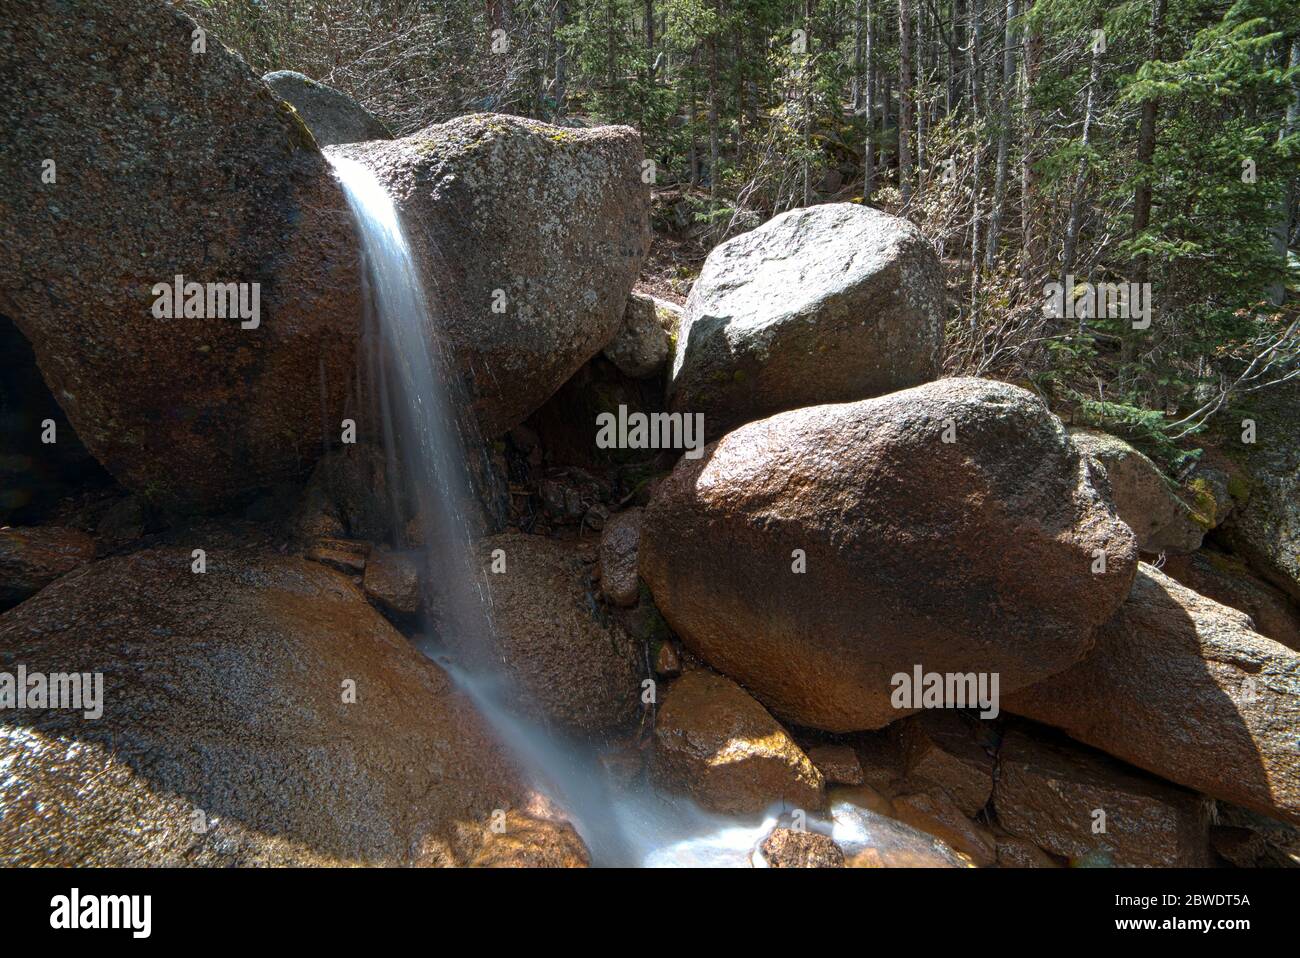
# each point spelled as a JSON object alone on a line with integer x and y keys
{"x": 426, "y": 443}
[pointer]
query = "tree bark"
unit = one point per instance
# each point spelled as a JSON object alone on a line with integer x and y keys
{"x": 1004, "y": 138}
{"x": 905, "y": 76}
{"x": 1073, "y": 224}
{"x": 1146, "y": 146}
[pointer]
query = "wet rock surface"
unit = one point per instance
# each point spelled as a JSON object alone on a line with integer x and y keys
{"x": 572, "y": 664}
{"x": 788, "y": 848}
{"x": 530, "y": 237}
{"x": 226, "y": 705}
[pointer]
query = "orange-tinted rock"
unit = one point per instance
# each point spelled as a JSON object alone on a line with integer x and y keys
{"x": 838, "y": 764}
{"x": 172, "y": 163}
{"x": 937, "y": 814}
{"x": 1017, "y": 853}
{"x": 789, "y": 848}
{"x": 969, "y": 556}
{"x": 1179, "y": 685}
{"x": 667, "y": 662}
{"x": 1054, "y": 794}
{"x": 941, "y": 749}
{"x": 521, "y": 841}
{"x": 32, "y": 558}
{"x": 716, "y": 743}
{"x": 259, "y": 713}
{"x": 345, "y": 555}
{"x": 392, "y": 581}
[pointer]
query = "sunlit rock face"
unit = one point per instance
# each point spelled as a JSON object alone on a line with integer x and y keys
{"x": 259, "y": 712}
{"x": 830, "y": 303}
{"x": 815, "y": 555}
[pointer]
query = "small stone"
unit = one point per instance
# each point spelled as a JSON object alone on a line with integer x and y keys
{"x": 346, "y": 555}
{"x": 838, "y": 764}
{"x": 619, "y": 543}
{"x": 667, "y": 662}
{"x": 938, "y": 815}
{"x": 392, "y": 581}
{"x": 789, "y": 848}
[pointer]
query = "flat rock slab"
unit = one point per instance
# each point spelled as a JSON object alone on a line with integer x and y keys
{"x": 1181, "y": 686}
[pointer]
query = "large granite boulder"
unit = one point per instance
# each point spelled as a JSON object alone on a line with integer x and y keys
{"x": 168, "y": 162}
{"x": 826, "y": 304}
{"x": 332, "y": 116}
{"x": 256, "y": 713}
{"x": 1181, "y": 686}
{"x": 530, "y": 236}
{"x": 815, "y": 555}
{"x": 1225, "y": 578}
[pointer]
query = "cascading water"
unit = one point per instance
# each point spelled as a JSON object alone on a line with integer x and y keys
{"x": 426, "y": 444}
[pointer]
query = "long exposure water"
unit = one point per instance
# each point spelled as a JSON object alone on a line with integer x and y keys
{"x": 426, "y": 443}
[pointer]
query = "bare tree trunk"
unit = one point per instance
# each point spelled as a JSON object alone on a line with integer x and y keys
{"x": 1031, "y": 232}
{"x": 1282, "y": 225}
{"x": 805, "y": 73}
{"x": 1146, "y": 146}
{"x": 713, "y": 115}
{"x": 1074, "y": 223}
{"x": 855, "y": 88}
{"x": 560, "y": 19}
{"x": 868, "y": 151}
{"x": 1004, "y": 137}
{"x": 905, "y": 77}
{"x": 693, "y": 150}
{"x": 921, "y": 97}
{"x": 975, "y": 12}
{"x": 974, "y": 55}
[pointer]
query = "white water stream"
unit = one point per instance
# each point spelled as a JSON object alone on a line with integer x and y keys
{"x": 418, "y": 409}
